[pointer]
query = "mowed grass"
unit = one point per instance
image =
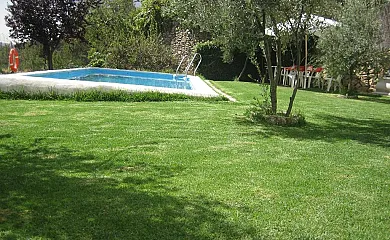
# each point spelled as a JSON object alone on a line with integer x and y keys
{"x": 195, "y": 170}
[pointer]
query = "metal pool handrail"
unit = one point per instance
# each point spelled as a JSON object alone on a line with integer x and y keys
{"x": 181, "y": 62}
{"x": 192, "y": 61}
{"x": 188, "y": 66}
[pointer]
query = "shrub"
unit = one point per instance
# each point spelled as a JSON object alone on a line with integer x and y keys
{"x": 261, "y": 107}
{"x": 31, "y": 57}
{"x": 129, "y": 38}
{"x": 4, "y": 51}
{"x": 72, "y": 54}
{"x": 261, "y": 112}
{"x": 68, "y": 55}
{"x": 280, "y": 119}
{"x": 144, "y": 53}
{"x": 96, "y": 59}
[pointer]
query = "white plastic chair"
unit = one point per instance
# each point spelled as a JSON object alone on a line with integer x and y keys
{"x": 336, "y": 83}
{"x": 316, "y": 77}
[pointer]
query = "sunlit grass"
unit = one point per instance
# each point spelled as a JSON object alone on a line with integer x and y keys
{"x": 194, "y": 170}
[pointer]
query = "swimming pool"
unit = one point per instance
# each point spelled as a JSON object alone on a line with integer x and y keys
{"x": 163, "y": 80}
{"x": 69, "y": 80}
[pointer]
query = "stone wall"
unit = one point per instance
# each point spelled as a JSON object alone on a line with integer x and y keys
{"x": 182, "y": 42}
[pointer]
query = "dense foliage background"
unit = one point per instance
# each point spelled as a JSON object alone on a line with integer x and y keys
{"x": 234, "y": 42}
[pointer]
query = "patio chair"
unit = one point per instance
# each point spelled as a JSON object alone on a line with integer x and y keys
{"x": 288, "y": 74}
{"x": 315, "y": 77}
{"x": 335, "y": 82}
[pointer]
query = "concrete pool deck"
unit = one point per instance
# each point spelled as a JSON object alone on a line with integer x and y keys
{"x": 21, "y": 81}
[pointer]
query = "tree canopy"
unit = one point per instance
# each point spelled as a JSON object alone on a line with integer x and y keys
{"x": 354, "y": 44}
{"x": 122, "y": 36}
{"x": 241, "y": 25}
{"x": 48, "y": 21}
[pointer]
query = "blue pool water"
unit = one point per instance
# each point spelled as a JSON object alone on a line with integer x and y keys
{"x": 163, "y": 80}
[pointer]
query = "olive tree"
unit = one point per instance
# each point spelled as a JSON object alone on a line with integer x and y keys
{"x": 241, "y": 25}
{"x": 234, "y": 25}
{"x": 355, "y": 42}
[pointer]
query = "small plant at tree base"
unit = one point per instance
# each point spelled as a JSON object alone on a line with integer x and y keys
{"x": 261, "y": 112}
{"x": 280, "y": 119}
{"x": 348, "y": 92}
{"x": 261, "y": 106}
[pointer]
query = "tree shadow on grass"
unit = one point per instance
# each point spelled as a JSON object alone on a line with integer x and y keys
{"x": 336, "y": 128}
{"x": 58, "y": 193}
{"x": 2, "y": 136}
{"x": 374, "y": 98}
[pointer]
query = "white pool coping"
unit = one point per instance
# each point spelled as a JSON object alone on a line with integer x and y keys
{"x": 21, "y": 81}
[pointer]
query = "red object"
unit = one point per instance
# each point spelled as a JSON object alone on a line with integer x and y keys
{"x": 14, "y": 60}
{"x": 301, "y": 68}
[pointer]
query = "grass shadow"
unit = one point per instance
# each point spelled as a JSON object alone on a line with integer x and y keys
{"x": 315, "y": 89}
{"x": 2, "y": 136}
{"x": 374, "y": 98}
{"x": 59, "y": 193}
{"x": 336, "y": 128}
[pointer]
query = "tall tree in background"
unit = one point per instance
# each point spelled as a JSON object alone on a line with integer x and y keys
{"x": 122, "y": 36}
{"x": 354, "y": 44}
{"x": 48, "y": 22}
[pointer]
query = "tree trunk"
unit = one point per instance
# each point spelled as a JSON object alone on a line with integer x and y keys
{"x": 350, "y": 81}
{"x": 50, "y": 60}
{"x": 292, "y": 98}
{"x": 243, "y": 69}
{"x": 273, "y": 83}
{"x": 49, "y": 56}
{"x": 278, "y": 61}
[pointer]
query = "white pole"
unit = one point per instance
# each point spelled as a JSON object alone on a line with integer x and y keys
{"x": 305, "y": 76}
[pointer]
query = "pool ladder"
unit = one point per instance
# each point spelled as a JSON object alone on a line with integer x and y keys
{"x": 188, "y": 65}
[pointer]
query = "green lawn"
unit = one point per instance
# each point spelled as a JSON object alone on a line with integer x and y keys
{"x": 195, "y": 170}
